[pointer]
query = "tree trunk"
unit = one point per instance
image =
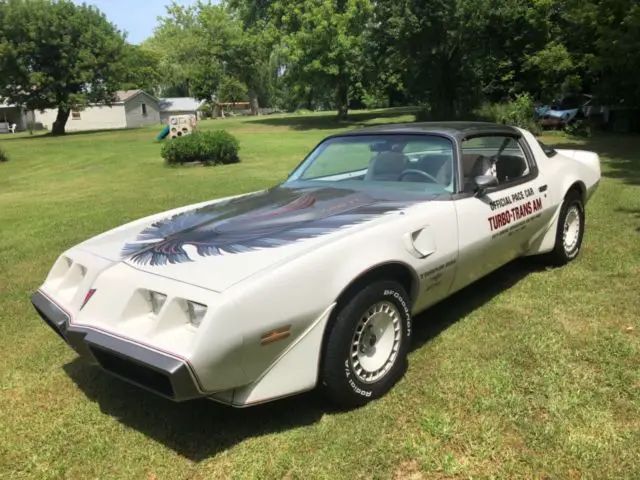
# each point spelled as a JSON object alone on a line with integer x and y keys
{"x": 443, "y": 106}
{"x": 255, "y": 106}
{"x": 310, "y": 100}
{"x": 61, "y": 120}
{"x": 343, "y": 101}
{"x": 443, "y": 101}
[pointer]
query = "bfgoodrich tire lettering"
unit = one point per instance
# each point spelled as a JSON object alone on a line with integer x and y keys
{"x": 367, "y": 345}
{"x": 571, "y": 225}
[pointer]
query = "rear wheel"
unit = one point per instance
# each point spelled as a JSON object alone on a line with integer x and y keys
{"x": 570, "y": 232}
{"x": 367, "y": 345}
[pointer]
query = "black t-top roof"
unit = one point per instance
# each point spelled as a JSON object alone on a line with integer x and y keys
{"x": 450, "y": 129}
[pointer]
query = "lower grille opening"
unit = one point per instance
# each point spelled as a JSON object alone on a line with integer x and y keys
{"x": 134, "y": 372}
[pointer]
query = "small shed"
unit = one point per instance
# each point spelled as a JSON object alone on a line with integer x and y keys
{"x": 174, "y": 106}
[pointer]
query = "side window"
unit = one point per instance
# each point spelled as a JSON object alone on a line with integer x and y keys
{"x": 497, "y": 155}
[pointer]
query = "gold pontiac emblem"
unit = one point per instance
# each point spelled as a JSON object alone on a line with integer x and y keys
{"x": 275, "y": 335}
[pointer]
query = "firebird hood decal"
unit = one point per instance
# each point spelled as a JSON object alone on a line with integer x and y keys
{"x": 273, "y": 218}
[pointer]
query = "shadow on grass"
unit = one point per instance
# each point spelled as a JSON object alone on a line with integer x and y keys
{"x": 330, "y": 121}
{"x": 622, "y": 154}
{"x": 196, "y": 429}
{"x": 634, "y": 212}
{"x": 202, "y": 428}
{"x": 431, "y": 323}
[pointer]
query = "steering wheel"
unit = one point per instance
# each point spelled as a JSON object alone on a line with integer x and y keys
{"x": 419, "y": 172}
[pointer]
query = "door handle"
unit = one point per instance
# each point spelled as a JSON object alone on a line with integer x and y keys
{"x": 543, "y": 188}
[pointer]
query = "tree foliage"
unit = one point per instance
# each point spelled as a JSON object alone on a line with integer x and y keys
{"x": 58, "y": 54}
{"x": 323, "y": 45}
{"x": 232, "y": 90}
{"x": 447, "y": 55}
{"x": 202, "y": 46}
{"x": 141, "y": 69}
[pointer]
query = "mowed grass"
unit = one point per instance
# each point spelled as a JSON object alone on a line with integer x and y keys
{"x": 529, "y": 373}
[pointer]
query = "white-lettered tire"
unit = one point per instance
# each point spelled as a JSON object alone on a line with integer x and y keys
{"x": 570, "y": 232}
{"x": 367, "y": 345}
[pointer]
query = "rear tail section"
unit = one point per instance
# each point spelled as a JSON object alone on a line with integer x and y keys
{"x": 592, "y": 171}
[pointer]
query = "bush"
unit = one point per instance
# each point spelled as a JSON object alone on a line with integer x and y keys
{"x": 206, "y": 110}
{"x": 578, "y": 128}
{"x": 210, "y": 148}
{"x": 3, "y": 156}
{"x": 519, "y": 112}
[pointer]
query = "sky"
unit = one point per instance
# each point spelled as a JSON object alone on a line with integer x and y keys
{"x": 137, "y": 17}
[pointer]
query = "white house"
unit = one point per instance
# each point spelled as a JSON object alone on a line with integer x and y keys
{"x": 132, "y": 108}
{"x": 179, "y": 106}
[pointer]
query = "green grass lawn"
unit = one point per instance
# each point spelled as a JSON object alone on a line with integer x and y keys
{"x": 526, "y": 374}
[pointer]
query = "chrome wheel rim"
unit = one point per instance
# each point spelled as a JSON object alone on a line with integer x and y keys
{"x": 376, "y": 341}
{"x": 571, "y": 232}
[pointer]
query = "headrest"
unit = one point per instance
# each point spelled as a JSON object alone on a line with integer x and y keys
{"x": 389, "y": 162}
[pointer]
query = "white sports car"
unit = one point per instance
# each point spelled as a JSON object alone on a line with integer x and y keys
{"x": 314, "y": 282}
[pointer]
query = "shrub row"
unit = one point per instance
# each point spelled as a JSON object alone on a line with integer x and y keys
{"x": 209, "y": 148}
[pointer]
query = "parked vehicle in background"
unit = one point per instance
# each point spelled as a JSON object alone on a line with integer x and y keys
{"x": 563, "y": 111}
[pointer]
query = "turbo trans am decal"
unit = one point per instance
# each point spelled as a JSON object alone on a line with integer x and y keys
{"x": 265, "y": 220}
{"x": 517, "y": 216}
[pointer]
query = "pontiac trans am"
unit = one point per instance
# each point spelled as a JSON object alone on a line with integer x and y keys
{"x": 313, "y": 283}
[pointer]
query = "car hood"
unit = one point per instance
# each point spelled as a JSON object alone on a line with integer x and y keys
{"x": 218, "y": 244}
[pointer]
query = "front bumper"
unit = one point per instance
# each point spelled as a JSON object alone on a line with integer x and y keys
{"x": 154, "y": 371}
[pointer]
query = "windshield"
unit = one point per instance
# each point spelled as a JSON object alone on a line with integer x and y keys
{"x": 419, "y": 162}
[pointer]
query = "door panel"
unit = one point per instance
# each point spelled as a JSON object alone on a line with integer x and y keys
{"x": 497, "y": 227}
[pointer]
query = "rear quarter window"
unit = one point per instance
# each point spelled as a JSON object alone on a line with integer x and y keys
{"x": 548, "y": 151}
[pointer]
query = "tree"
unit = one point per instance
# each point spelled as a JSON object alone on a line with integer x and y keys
{"x": 317, "y": 47}
{"x": 324, "y": 45}
{"x": 204, "y": 44}
{"x": 260, "y": 61}
{"x": 452, "y": 54}
{"x": 180, "y": 48}
{"x": 55, "y": 54}
{"x": 603, "y": 37}
{"x": 439, "y": 49}
{"x": 232, "y": 90}
{"x": 141, "y": 69}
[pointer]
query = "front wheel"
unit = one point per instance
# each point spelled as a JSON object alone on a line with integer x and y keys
{"x": 570, "y": 232}
{"x": 367, "y": 345}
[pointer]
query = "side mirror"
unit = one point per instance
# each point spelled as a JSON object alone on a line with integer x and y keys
{"x": 484, "y": 183}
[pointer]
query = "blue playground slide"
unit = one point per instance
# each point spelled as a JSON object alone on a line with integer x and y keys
{"x": 163, "y": 133}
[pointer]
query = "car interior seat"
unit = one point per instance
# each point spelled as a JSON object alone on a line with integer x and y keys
{"x": 387, "y": 167}
{"x": 509, "y": 167}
